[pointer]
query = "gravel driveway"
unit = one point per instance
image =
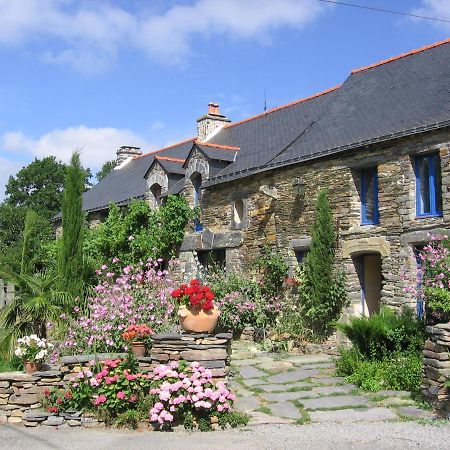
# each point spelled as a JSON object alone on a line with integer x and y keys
{"x": 361, "y": 435}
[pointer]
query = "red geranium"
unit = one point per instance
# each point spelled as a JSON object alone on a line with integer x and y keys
{"x": 195, "y": 294}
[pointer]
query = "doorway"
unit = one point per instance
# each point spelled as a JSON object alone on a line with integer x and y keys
{"x": 371, "y": 283}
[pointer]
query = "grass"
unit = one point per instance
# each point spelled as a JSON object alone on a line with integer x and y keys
{"x": 265, "y": 409}
{"x": 304, "y": 419}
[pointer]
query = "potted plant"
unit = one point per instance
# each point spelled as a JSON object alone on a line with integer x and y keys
{"x": 33, "y": 350}
{"x": 136, "y": 335}
{"x": 196, "y": 312}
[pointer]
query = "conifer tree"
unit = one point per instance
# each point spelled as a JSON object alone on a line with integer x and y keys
{"x": 31, "y": 222}
{"x": 323, "y": 291}
{"x": 70, "y": 263}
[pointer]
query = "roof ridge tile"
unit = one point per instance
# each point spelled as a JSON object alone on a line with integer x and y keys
{"x": 401, "y": 55}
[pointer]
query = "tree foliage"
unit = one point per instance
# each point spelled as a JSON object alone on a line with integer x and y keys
{"x": 12, "y": 223}
{"x": 323, "y": 290}
{"x": 70, "y": 260}
{"x": 107, "y": 167}
{"x": 138, "y": 232}
{"x": 39, "y": 186}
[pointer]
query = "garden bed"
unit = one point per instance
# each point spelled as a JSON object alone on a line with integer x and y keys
{"x": 21, "y": 393}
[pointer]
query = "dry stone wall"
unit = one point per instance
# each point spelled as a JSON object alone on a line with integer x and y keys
{"x": 436, "y": 367}
{"x": 20, "y": 393}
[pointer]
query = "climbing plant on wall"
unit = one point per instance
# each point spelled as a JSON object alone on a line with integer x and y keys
{"x": 137, "y": 233}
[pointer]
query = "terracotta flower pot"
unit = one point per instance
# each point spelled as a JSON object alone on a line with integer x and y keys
{"x": 32, "y": 366}
{"x": 196, "y": 320}
{"x": 138, "y": 349}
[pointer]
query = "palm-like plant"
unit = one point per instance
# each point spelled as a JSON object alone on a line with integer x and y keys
{"x": 37, "y": 301}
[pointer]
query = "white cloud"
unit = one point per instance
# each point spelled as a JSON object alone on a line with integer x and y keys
{"x": 96, "y": 145}
{"x": 435, "y": 8}
{"x": 7, "y": 168}
{"x": 88, "y": 35}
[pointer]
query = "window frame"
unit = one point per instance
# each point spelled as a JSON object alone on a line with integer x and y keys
{"x": 376, "y": 213}
{"x": 300, "y": 256}
{"x": 433, "y": 161}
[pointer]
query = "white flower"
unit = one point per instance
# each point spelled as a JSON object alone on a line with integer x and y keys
{"x": 18, "y": 351}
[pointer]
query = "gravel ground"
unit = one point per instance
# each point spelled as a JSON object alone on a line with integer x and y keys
{"x": 380, "y": 435}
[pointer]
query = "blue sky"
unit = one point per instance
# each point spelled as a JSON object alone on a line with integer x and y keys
{"x": 93, "y": 76}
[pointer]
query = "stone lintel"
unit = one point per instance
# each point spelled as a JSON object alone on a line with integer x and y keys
{"x": 208, "y": 240}
{"x": 361, "y": 246}
{"x": 420, "y": 237}
{"x": 301, "y": 244}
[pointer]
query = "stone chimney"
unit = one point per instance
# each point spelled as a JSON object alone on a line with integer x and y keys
{"x": 210, "y": 123}
{"x": 125, "y": 152}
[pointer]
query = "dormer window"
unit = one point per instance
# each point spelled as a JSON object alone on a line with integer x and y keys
{"x": 197, "y": 185}
{"x": 156, "y": 195}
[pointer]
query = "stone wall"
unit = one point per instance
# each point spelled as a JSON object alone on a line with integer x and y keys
{"x": 436, "y": 368}
{"x": 286, "y": 217}
{"x": 20, "y": 393}
{"x": 211, "y": 351}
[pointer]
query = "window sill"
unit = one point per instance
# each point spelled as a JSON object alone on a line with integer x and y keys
{"x": 424, "y": 216}
{"x": 365, "y": 224}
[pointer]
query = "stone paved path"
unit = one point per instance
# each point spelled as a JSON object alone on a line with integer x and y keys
{"x": 285, "y": 388}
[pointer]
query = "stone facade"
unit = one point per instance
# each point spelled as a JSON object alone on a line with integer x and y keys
{"x": 436, "y": 367}
{"x": 275, "y": 213}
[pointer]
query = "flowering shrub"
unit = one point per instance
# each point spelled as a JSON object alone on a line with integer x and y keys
{"x": 186, "y": 394}
{"x": 195, "y": 295}
{"x": 55, "y": 400}
{"x": 127, "y": 296}
{"x": 116, "y": 388}
{"x": 170, "y": 394}
{"x": 433, "y": 279}
{"x": 236, "y": 312}
{"x": 32, "y": 348}
{"x": 137, "y": 333}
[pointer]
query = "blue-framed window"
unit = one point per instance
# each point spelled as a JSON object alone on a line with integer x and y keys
{"x": 369, "y": 196}
{"x": 428, "y": 186}
{"x": 300, "y": 256}
{"x": 197, "y": 183}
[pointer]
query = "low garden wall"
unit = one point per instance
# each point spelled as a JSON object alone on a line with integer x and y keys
{"x": 21, "y": 393}
{"x": 436, "y": 367}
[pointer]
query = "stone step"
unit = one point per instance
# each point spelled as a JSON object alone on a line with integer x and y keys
{"x": 353, "y": 415}
{"x": 334, "y": 402}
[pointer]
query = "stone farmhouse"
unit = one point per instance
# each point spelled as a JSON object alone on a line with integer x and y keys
{"x": 379, "y": 142}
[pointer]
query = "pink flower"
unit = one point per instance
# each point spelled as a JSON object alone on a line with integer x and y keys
{"x": 121, "y": 395}
{"x": 99, "y": 400}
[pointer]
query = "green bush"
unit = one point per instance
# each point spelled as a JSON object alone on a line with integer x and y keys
{"x": 400, "y": 371}
{"x": 385, "y": 332}
{"x": 349, "y": 361}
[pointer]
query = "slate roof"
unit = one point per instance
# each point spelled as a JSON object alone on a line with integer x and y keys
{"x": 122, "y": 185}
{"x": 401, "y": 96}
